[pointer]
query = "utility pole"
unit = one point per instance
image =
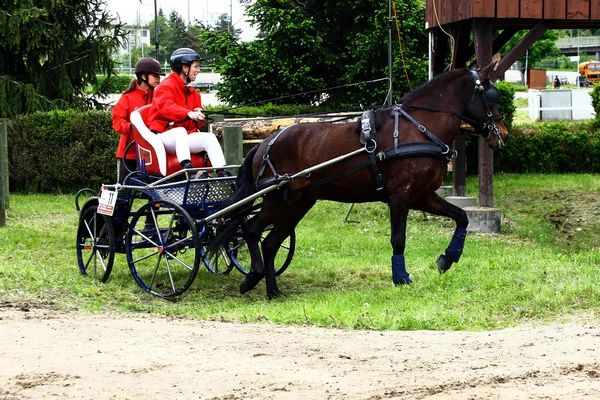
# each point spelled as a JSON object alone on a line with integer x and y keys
{"x": 156, "y": 28}
{"x": 230, "y": 15}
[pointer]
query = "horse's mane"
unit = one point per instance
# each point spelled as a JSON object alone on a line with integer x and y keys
{"x": 425, "y": 88}
{"x": 437, "y": 81}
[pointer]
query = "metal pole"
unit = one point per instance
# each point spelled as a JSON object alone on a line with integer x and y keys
{"x": 430, "y": 54}
{"x": 390, "y": 61}
{"x": 302, "y": 174}
{"x": 4, "y": 160}
{"x": 3, "y": 196}
{"x": 230, "y": 15}
{"x": 156, "y": 28}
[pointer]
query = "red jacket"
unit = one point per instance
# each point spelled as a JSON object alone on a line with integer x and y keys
{"x": 172, "y": 101}
{"x": 120, "y": 115}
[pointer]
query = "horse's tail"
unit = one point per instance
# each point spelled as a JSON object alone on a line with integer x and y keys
{"x": 244, "y": 188}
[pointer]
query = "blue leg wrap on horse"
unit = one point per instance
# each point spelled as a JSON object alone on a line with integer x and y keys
{"x": 399, "y": 274}
{"x": 457, "y": 243}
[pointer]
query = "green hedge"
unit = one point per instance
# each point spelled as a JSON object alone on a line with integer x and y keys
{"x": 62, "y": 151}
{"x": 595, "y": 94}
{"x": 545, "y": 147}
{"x": 507, "y": 102}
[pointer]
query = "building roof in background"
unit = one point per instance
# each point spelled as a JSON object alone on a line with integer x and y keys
{"x": 211, "y": 78}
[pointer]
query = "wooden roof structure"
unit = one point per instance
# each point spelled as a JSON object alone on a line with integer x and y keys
{"x": 562, "y": 14}
{"x": 482, "y": 28}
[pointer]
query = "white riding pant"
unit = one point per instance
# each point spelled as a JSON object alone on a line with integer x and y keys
{"x": 178, "y": 141}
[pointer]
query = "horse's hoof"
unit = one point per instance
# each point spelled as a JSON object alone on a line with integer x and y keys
{"x": 249, "y": 282}
{"x": 403, "y": 281}
{"x": 275, "y": 294}
{"x": 443, "y": 263}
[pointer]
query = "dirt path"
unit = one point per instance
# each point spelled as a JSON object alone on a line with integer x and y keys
{"x": 47, "y": 354}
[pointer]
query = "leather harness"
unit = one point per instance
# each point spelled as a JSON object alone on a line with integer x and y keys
{"x": 368, "y": 137}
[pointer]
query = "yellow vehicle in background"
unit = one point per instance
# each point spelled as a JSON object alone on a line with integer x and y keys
{"x": 589, "y": 73}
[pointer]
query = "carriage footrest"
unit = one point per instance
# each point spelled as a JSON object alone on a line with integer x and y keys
{"x": 195, "y": 192}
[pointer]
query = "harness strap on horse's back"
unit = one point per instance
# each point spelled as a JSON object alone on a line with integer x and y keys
{"x": 406, "y": 150}
{"x": 266, "y": 160}
{"x": 369, "y": 133}
{"x": 425, "y": 131}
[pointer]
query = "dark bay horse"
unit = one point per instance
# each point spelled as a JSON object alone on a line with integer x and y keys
{"x": 404, "y": 162}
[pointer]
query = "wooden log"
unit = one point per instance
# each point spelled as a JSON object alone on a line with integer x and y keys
{"x": 215, "y": 118}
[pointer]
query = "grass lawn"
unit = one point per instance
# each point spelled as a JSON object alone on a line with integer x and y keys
{"x": 544, "y": 266}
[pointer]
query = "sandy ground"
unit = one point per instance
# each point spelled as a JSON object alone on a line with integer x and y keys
{"x": 49, "y": 354}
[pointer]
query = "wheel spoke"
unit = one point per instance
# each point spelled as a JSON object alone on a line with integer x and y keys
{"x": 146, "y": 238}
{"x": 155, "y": 271}
{"x": 170, "y": 274}
{"x": 174, "y": 257}
{"x": 145, "y": 257}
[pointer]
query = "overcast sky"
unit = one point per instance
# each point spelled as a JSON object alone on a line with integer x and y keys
{"x": 202, "y": 10}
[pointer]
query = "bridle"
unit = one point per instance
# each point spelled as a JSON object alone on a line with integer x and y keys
{"x": 490, "y": 98}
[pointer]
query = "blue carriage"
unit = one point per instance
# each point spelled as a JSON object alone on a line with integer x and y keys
{"x": 160, "y": 218}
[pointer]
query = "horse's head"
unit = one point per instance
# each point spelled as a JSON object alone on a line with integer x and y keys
{"x": 483, "y": 110}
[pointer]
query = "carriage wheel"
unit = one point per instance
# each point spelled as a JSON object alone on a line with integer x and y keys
{"x": 95, "y": 244}
{"x": 240, "y": 255}
{"x": 161, "y": 247}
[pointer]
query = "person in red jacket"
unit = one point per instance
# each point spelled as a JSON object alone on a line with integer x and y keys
{"x": 176, "y": 113}
{"x": 138, "y": 93}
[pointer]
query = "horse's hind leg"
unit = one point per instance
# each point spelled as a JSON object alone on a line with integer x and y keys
{"x": 398, "y": 216}
{"x": 434, "y": 204}
{"x": 272, "y": 243}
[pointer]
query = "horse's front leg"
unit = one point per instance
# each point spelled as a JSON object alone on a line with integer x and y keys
{"x": 398, "y": 217}
{"x": 434, "y": 204}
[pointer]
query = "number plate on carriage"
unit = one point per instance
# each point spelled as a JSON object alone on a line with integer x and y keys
{"x": 107, "y": 202}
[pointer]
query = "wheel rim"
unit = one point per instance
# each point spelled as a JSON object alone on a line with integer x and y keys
{"x": 240, "y": 255}
{"x": 161, "y": 248}
{"x": 95, "y": 244}
{"x": 218, "y": 263}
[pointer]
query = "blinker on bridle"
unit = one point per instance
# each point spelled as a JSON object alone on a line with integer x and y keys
{"x": 491, "y": 98}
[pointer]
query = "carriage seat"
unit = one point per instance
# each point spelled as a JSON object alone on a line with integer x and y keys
{"x": 151, "y": 155}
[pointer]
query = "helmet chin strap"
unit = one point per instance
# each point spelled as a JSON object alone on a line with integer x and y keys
{"x": 186, "y": 74}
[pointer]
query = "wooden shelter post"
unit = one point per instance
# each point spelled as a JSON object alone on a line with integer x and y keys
{"x": 483, "y": 39}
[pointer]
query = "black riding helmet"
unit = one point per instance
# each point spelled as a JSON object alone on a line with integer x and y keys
{"x": 183, "y": 56}
{"x": 146, "y": 65}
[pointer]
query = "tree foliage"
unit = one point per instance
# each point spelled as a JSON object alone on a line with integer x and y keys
{"x": 545, "y": 47}
{"x": 51, "y": 50}
{"x": 173, "y": 33}
{"x": 312, "y": 45}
